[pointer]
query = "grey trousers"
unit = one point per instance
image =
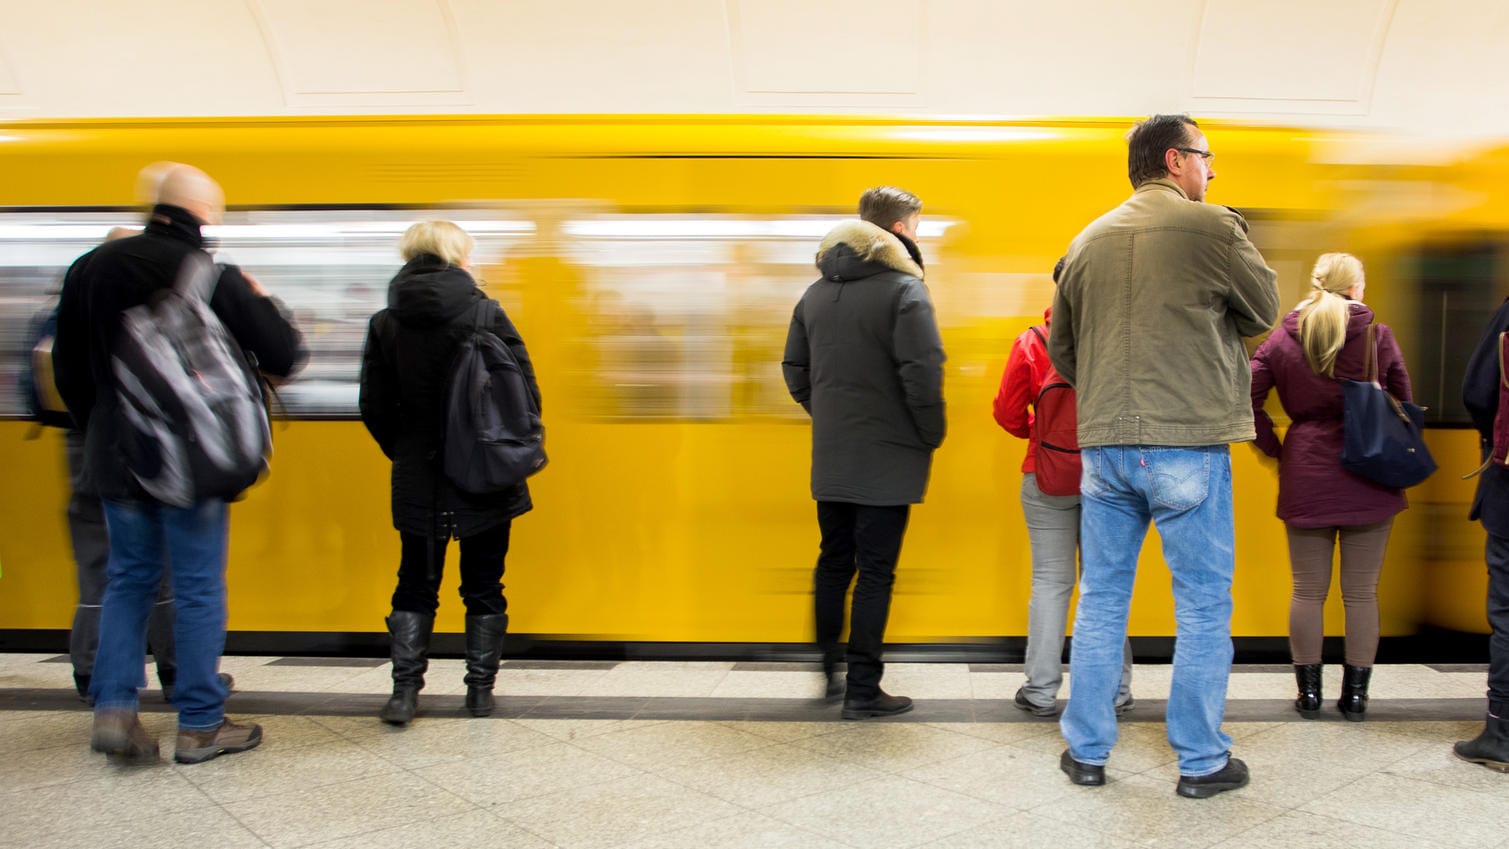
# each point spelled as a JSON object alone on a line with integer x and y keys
{"x": 1053, "y": 531}
{"x": 91, "y": 554}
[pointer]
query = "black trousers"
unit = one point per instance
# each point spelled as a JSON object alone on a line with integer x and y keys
{"x": 1498, "y": 620}
{"x": 865, "y": 539}
{"x": 420, "y": 568}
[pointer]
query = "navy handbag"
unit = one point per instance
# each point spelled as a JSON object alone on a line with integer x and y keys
{"x": 1383, "y": 438}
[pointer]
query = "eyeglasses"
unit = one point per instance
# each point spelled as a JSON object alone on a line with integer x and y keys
{"x": 1203, "y": 154}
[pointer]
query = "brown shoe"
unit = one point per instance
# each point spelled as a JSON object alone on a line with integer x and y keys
{"x": 196, "y": 747}
{"x": 119, "y": 734}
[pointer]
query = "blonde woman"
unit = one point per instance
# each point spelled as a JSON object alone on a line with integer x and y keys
{"x": 1319, "y": 344}
{"x": 433, "y": 304}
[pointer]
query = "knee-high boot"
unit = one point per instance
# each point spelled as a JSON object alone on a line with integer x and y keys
{"x": 409, "y": 633}
{"x": 1353, "y": 703}
{"x": 1307, "y": 676}
{"x": 484, "y": 643}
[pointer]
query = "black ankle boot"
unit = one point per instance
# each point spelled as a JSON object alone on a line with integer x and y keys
{"x": 1353, "y": 703}
{"x": 1491, "y": 748}
{"x": 484, "y": 643}
{"x": 1307, "y": 676}
{"x": 409, "y": 633}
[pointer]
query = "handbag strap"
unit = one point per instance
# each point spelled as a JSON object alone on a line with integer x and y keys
{"x": 1372, "y": 353}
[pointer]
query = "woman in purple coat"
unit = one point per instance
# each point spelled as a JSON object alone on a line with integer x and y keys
{"x": 1319, "y": 344}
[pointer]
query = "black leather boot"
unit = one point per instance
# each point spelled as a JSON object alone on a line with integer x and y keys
{"x": 409, "y": 633}
{"x": 1307, "y": 676}
{"x": 1491, "y": 748}
{"x": 484, "y": 643}
{"x": 1353, "y": 703}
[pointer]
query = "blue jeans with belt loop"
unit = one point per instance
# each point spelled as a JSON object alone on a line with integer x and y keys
{"x": 1186, "y": 492}
{"x": 143, "y": 536}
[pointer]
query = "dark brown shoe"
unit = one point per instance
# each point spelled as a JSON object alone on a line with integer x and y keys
{"x": 884, "y": 704}
{"x": 119, "y": 734}
{"x": 196, "y": 747}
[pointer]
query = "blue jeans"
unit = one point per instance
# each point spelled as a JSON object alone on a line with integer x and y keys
{"x": 1187, "y": 493}
{"x": 143, "y": 536}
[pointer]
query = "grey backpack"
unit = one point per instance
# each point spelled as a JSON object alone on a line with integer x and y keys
{"x": 194, "y": 418}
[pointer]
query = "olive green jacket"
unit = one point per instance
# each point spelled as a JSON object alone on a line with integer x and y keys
{"x": 1148, "y": 321}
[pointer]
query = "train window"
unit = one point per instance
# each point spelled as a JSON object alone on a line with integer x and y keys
{"x": 1458, "y": 287}
{"x": 689, "y": 312}
{"x": 331, "y": 268}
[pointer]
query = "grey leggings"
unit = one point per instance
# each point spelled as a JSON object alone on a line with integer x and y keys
{"x": 1311, "y": 552}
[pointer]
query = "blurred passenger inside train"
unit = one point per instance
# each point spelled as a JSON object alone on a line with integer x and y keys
{"x": 1485, "y": 395}
{"x": 1036, "y": 404}
{"x": 145, "y": 533}
{"x": 1150, "y": 312}
{"x": 1330, "y": 337}
{"x": 434, "y": 304}
{"x": 864, "y": 358}
{"x": 91, "y": 543}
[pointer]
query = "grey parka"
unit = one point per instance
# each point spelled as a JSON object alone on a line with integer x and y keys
{"x": 864, "y": 358}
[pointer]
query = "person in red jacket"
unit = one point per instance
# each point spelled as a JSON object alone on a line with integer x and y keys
{"x": 1316, "y": 347}
{"x": 1052, "y": 532}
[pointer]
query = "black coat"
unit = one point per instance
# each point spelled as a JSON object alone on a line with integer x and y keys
{"x": 864, "y": 357}
{"x": 406, "y": 370}
{"x": 125, "y": 273}
{"x": 1480, "y": 392}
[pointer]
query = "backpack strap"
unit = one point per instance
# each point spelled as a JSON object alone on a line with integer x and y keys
{"x": 1040, "y": 337}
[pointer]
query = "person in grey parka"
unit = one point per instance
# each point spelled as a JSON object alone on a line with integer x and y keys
{"x": 864, "y": 358}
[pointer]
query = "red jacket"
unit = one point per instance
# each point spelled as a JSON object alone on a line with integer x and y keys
{"x": 1020, "y": 385}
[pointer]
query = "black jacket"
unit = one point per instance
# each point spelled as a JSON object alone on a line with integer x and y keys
{"x": 864, "y": 357}
{"x": 125, "y": 273}
{"x": 406, "y": 370}
{"x": 1480, "y": 392}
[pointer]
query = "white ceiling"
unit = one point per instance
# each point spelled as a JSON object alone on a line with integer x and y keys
{"x": 1406, "y": 65}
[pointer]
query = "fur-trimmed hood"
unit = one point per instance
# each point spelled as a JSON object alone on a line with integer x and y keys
{"x": 858, "y": 249}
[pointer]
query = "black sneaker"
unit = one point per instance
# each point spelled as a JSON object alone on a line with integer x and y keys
{"x": 1022, "y": 702}
{"x": 1083, "y": 774}
{"x": 1127, "y": 706}
{"x": 883, "y": 704}
{"x": 1228, "y": 777}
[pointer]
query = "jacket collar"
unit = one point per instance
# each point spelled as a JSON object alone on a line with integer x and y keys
{"x": 856, "y": 249}
{"x": 1162, "y": 184}
{"x": 175, "y": 222}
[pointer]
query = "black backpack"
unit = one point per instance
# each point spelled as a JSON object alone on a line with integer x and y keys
{"x": 38, "y": 391}
{"x": 493, "y": 435}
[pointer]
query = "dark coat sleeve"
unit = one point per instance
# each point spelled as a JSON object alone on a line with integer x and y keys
{"x": 1392, "y": 374}
{"x": 70, "y": 348}
{"x": 503, "y": 328}
{"x": 1480, "y": 386}
{"x": 1262, "y": 381}
{"x": 796, "y": 364}
{"x": 919, "y": 362}
{"x": 378, "y": 397}
{"x": 259, "y": 323}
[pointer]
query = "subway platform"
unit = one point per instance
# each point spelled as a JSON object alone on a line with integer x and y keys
{"x": 661, "y": 755}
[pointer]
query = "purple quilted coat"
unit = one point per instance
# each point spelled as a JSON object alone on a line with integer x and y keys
{"x": 1314, "y": 491}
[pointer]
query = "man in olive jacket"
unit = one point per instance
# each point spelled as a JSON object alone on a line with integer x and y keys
{"x": 1149, "y": 316}
{"x": 864, "y": 358}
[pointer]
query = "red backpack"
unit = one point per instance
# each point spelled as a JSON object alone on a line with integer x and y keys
{"x": 1056, "y": 426}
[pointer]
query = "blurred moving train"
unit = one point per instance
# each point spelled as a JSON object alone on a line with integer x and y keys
{"x": 651, "y": 264}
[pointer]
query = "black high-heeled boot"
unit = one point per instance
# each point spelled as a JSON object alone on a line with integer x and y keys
{"x": 1353, "y": 703}
{"x": 484, "y": 643}
{"x": 409, "y": 633}
{"x": 1307, "y": 676}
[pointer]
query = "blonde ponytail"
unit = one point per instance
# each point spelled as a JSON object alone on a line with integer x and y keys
{"x": 1323, "y": 316}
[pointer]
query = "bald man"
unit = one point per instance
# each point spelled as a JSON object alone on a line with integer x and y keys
{"x": 98, "y": 289}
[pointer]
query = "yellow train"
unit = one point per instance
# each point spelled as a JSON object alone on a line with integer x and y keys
{"x": 651, "y": 263}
